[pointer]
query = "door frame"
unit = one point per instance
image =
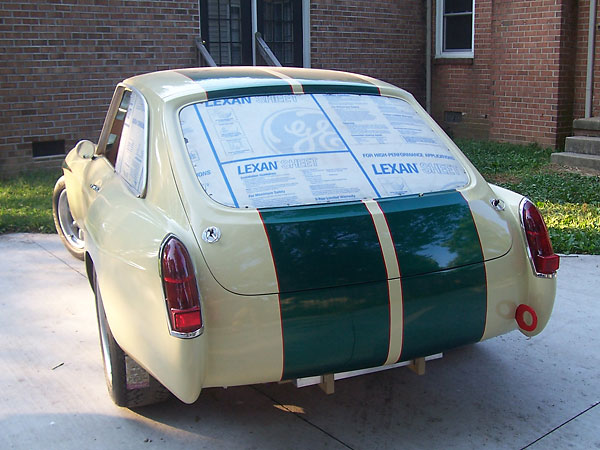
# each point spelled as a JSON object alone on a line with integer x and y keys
{"x": 303, "y": 33}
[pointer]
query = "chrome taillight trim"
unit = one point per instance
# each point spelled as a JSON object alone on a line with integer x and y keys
{"x": 172, "y": 332}
{"x": 529, "y": 255}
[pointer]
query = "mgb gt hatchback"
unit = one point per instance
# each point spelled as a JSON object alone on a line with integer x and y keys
{"x": 251, "y": 225}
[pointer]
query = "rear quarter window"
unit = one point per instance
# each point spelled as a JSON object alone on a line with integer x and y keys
{"x": 284, "y": 150}
{"x": 133, "y": 143}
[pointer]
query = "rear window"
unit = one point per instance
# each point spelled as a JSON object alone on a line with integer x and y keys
{"x": 283, "y": 150}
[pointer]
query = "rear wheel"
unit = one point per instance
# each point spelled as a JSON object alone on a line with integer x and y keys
{"x": 67, "y": 228}
{"x": 129, "y": 384}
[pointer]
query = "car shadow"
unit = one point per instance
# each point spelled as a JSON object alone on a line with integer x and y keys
{"x": 470, "y": 394}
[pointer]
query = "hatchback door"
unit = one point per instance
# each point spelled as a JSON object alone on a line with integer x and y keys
{"x": 353, "y": 203}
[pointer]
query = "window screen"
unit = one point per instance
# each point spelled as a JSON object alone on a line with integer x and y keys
{"x": 283, "y": 150}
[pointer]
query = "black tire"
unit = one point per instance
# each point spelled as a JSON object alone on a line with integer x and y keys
{"x": 68, "y": 230}
{"x": 129, "y": 385}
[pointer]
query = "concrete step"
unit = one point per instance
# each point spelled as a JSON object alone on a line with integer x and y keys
{"x": 583, "y": 144}
{"x": 591, "y": 124}
{"x": 593, "y": 133}
{"x": 576, "y": 160}
{"x": 587, "y": 127}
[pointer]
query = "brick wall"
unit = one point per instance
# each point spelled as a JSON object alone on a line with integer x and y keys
{"x": 528, "y": 50}
{"x": 581, "y": 62}
{"x": 62, "y": 59}
{"x": 464, "y": 86}
{"x": 519, "y": 85}
{"x": 380, "y": 38}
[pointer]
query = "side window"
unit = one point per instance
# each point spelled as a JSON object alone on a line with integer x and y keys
{"x": 454, "y": 31}
{"x": 112, "y": 145}
{"x": 131, "y": 157}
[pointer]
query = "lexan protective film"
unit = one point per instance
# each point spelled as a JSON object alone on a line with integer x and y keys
{"x": 285, "y": 150}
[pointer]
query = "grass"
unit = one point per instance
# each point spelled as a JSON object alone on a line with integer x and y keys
{"x": 569, "y": 202}
{"x": 26, "y": 202}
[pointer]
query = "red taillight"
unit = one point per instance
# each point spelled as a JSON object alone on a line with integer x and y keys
{"x": 544, "y": 259}
{"x": 180, "y": 287}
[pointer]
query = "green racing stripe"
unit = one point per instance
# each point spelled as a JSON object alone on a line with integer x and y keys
{"x": 444, "y": 292}
{"x": 333, "y": 288}
{"x": 231, "y": 82}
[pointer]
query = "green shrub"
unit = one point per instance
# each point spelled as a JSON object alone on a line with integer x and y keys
{"x": 569, "y": 202}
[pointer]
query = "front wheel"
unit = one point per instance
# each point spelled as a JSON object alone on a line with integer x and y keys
{"x": 68, "y": 230}
{"x": 129, "y": 384}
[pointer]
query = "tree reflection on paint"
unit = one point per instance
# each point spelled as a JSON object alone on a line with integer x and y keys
{"x": 432, "y": 232}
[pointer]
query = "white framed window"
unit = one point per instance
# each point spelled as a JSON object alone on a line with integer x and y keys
{"x": 455, "y": 28}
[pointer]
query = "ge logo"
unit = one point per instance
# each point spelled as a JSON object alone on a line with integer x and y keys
{"x": 300, "y": 130}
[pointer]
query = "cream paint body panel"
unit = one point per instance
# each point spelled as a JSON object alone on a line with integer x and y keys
{"x": 131, "y": 287}
{"x": 394, "y": 284}
{"x": 511, "y": 282}
{"x": 509, "y": 276}
{"x": 73, "y": 181}
{"x": 243, "y": 241}
{"x": 537, "y": 292}
{"x": 510, "y": 279}
{"x": 243, "y": 237}
{"x": 492, "y": 226}
{"x": 83, "y": 174}
{"x": 244, "y": 336}
{"x": 130, "y": 280}
{"x": 507, "y": 288}
{"x": 243, "y": 332}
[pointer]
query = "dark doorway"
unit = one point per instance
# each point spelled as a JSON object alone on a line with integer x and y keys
{"x": 280, "y": 23}
{"x": 227, "y": 30}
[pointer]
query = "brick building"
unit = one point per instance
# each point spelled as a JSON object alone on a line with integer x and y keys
{"x": 503, "y": 70}
{"x": 518, "y": 82}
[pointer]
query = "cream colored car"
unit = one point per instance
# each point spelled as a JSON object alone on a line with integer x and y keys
{"x": 252, "y": 225}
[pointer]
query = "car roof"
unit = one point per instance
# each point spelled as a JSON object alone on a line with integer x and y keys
{"x": 226, "y": 82}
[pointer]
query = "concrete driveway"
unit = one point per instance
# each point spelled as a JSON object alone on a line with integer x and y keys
{"x": 509, "y": 392}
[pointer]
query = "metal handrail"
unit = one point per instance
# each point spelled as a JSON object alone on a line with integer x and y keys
{"x": 205, "y": 53}
{"x": 265, "y": 51}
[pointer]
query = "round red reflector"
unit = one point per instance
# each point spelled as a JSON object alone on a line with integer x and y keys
{"x": 521, "y": 316}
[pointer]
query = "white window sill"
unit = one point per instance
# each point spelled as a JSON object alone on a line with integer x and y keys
{"x": 454, "y": 55}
